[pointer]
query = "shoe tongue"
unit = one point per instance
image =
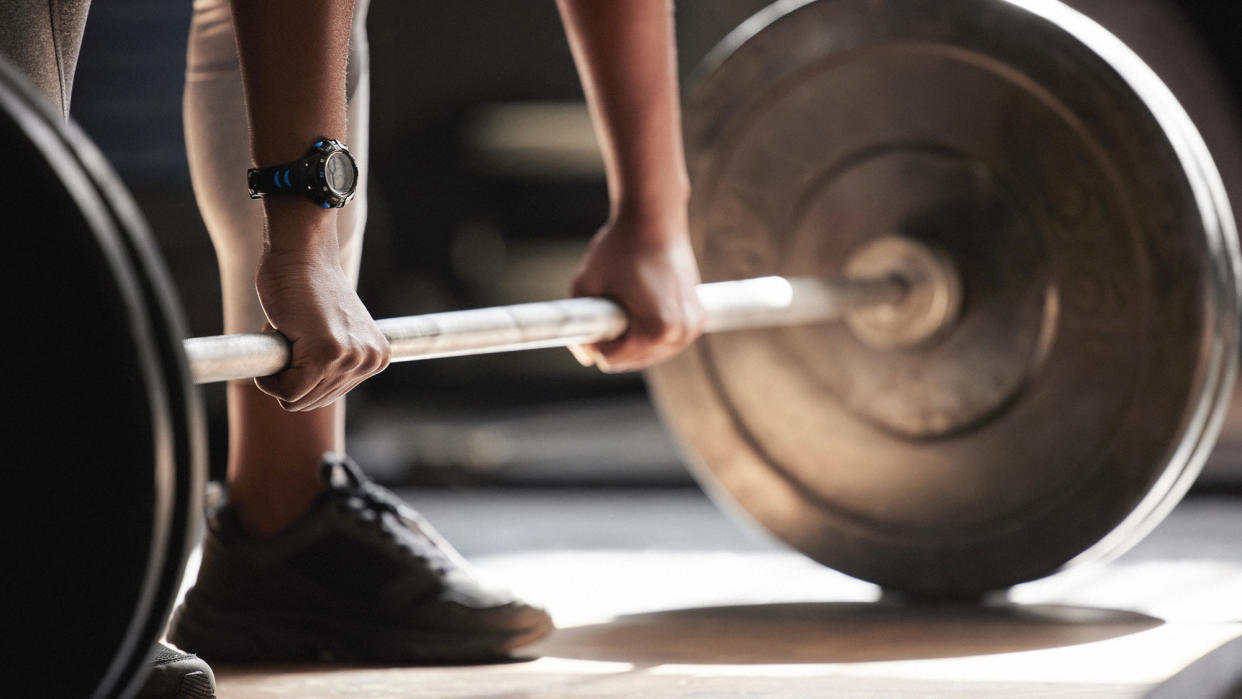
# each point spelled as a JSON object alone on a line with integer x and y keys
{"x": 339, "y": 472}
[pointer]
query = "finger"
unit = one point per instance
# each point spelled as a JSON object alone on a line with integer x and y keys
{"x": 290, "y": 385}
{"x": 605, "y": 366}
{"x": 642, "y": 342}
{"x": 339, "y": 378}
{"x": 327, "y": 394}
{"x": 615, "y": 355}
{"x": 581, "y": 286}
{"x": 313, "y": 397}
{"x": 330, "y": 394}
{"x": 330, "y": 379}
{"x": 331, "y": 390}
{"x": 621, "y": 357}
{"x": 312, "y": 407}
{"x": 336, "y": 394}
{"x": 624, "y": 352}
{"x": 644, "y": 347}
{"x": 584, "y": 354}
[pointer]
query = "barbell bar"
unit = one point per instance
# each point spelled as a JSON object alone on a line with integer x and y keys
{"x": 901, "y": 273}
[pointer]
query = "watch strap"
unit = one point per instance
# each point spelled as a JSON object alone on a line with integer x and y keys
{"x": 288, "y": 178}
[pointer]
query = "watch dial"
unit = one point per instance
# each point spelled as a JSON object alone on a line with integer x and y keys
{"x": 340, "y": 172}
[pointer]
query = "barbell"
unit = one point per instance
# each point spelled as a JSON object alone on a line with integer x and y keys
{"x": 1024, "y": 235}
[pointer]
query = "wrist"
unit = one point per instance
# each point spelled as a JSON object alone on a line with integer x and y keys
{"x": 297, "y": 227}
{"x": 651, "y": 194}
{"x": 658, "y": 217}
{"x": 327, "y": 176}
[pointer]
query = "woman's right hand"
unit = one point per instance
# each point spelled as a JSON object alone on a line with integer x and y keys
{"x": 335, "y": 344}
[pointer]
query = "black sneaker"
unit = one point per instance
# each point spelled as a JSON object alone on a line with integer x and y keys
{"x": 177, "y": 675}
{"x": 361, "y": 577}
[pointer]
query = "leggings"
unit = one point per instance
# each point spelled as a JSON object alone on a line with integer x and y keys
{"x": 42, "y": 38}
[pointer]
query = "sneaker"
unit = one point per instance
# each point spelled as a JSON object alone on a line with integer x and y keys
{"x": 177, "y": 675}
{"x": 361, "y": 577}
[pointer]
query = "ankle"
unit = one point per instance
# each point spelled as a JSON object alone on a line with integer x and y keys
{"x": 265, "y": 511}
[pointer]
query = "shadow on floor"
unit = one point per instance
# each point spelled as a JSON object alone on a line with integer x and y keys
{"x": 836, "y": 633}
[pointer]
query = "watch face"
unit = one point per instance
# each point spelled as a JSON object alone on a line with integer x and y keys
{"x": 340, "y": 174}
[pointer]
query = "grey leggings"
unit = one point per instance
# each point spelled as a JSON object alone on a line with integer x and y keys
{"x": 42, "y": 38}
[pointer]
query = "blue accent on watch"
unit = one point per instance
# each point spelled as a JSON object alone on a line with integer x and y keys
{"x": 318, "y": 144}
{"x": 287, "y": 179}
{"x": 276, "y": 179}
{"x": 326, "y": 205}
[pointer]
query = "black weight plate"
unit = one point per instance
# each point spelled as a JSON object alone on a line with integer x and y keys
{"x": 1080, "y": 391}
{"x": 93, "y": 457}
{"x": 189, "y": 443}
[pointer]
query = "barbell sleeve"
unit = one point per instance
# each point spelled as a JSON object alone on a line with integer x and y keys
{"x": 732, "y": 305}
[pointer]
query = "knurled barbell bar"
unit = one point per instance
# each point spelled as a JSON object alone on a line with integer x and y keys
{"x": 1045, "y": 402}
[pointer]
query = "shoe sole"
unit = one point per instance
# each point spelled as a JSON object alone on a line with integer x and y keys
{"x": 280, "y": 636}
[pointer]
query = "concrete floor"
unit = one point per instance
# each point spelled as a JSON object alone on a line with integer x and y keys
{"x": 658, "y": 594}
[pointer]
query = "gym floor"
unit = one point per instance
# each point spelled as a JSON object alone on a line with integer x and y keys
{"x": 660, "y": 593}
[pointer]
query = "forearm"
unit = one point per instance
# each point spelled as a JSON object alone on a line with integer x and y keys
{"x": 293, "y": 57}
{"x": 625, "y": 54}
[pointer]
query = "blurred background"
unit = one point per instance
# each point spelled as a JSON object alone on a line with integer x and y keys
{"x": 485, "y": 186}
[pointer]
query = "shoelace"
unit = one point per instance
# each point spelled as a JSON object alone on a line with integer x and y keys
{"x": 347, "y": 482}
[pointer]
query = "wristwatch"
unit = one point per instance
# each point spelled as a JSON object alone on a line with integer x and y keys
{"x": 328, "y": 176}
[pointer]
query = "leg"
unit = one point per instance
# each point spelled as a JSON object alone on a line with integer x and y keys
{"x": 274, "y": 456}
{"x": 275, "y": 551}
{"x": 42, "y": 39}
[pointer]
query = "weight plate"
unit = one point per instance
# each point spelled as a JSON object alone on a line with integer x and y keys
{"x": 188, "y": 419}
{"x": 1177, "y": 41}
{"x": 1079, "y": 391}
{"x": 94, "y": 444}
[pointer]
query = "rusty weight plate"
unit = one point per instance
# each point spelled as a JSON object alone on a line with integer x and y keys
{"x": 1080, "y": 390}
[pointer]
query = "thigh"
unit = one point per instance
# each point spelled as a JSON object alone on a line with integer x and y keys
{"x": 42, "y": 38}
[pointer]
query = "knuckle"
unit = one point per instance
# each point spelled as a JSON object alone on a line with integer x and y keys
{"x": 351, "y": 359}
{"x": 378, "y": 360}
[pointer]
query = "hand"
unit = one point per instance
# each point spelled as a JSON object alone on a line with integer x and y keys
{"x": 335, "y": 343}
{"x": 647, "y": 266}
